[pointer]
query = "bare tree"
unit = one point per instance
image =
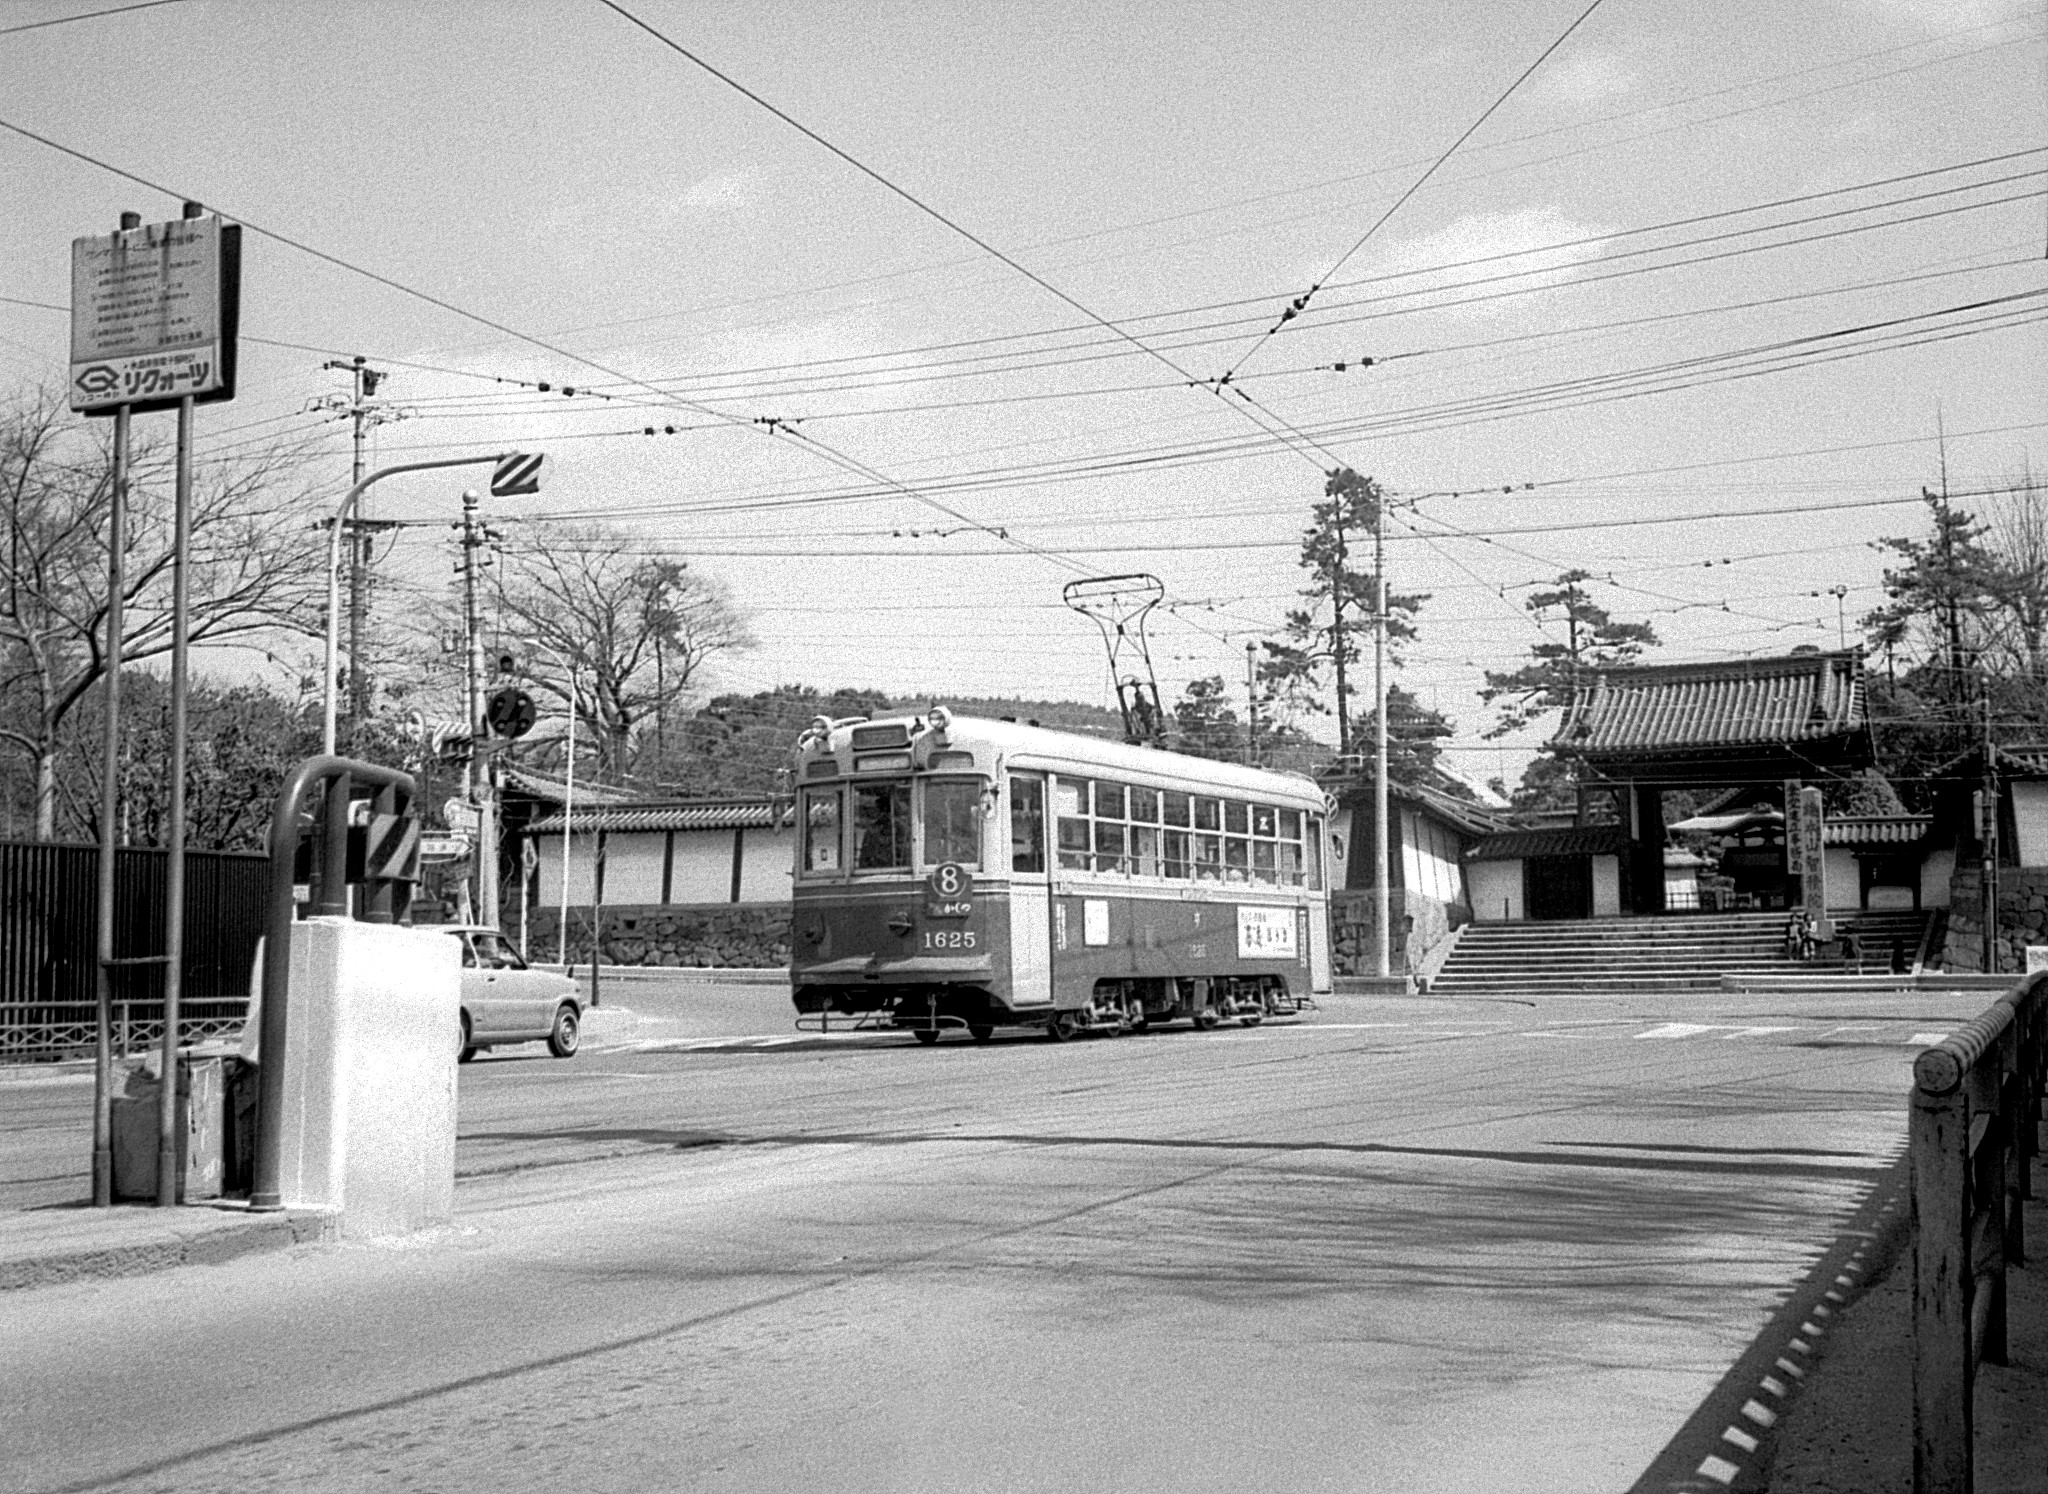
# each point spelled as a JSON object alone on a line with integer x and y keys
{"x": 633, "y": 631}
{"x": 254, "y": 570}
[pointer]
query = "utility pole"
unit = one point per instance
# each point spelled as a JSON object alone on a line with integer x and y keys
{"x": 1251, "y": 706}
{"x": 477, "y": 779}
{"x": 1382, "y": 964}
{"x": 1987, "y": 837}
{"x": 360, "y": 533}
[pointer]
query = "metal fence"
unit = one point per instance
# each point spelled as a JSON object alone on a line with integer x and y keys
{"x": 48, "y": 943}
{"x": 1975, "y": 1132}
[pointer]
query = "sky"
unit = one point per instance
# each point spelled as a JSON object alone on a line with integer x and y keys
{"x": 1696, "y": 296}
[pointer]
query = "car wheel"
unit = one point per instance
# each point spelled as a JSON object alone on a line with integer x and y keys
{"x": 467, "y": 1050}
{"x": 980, "y": 1032}
{"x": 567, "y": 1033}
{"x": 927, "y": 1035}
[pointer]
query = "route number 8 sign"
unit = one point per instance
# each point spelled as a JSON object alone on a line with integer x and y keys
{"x": 949, "y": 880}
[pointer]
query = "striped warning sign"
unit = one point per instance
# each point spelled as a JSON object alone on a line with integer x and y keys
{"x": 516, "y": 472}
{"x": 391, "y": 848}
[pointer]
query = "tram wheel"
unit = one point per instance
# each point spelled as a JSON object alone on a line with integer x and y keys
{"x": 927, "y": 1035}
{"x": 980, "y": 1032}
{"x": 1253, "y": 1020}
{"x": 1206, "y": 1018}
{"x": 1062, "y": 1026}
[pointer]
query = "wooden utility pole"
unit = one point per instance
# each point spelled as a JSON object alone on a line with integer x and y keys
{"x": 477, "y": 776}
{"x": 1382, "y": 960}
{"x": 360, "y": 532}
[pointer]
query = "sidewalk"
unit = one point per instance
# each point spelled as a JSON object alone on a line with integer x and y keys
{"x": 1851, "y": 1430}
{"x": 76, "y": 1242}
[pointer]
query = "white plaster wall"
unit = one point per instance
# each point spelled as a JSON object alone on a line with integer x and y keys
{"x": 369, "y": 1069}
{"x": 2030, "y": 823}
{"x": 632, "y": 866}
{"x": 767, "y": 864}
{"x": 703, "y": 869}
{"x": 1495, "y": 886}
{"x": 1844, "y": 882}
{"x": 582, "y": 850}
{"x": 1606, "y": 886}
{"x": 1934, "y": 874}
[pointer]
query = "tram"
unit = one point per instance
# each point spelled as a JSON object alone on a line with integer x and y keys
{"x": 962, "y": 875}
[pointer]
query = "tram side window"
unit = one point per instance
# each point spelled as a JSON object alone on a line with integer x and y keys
{"x": 1314, "y": 848}
{"x": 881, "y": 826}
{"x": 821, "y": 830}
{"x": 1109, "y": 845}
{"x": 1144, "y": 849}
{"x": 1208, "y": 858}
{"x": 1070, "y": 804}
{"x": 1027, "y": 825}
{"x": 952, "y": 822}
{"x": 1174, "y": 854}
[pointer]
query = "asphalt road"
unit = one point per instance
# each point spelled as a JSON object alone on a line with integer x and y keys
{"x": 1403, "y": 1245}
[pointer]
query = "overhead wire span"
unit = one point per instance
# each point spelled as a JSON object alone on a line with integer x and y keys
{"x": 1301, "y": 302}
{"x": 822, "y": 449}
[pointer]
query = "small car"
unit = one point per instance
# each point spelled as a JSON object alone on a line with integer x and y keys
{"x": 505, "y": 1001}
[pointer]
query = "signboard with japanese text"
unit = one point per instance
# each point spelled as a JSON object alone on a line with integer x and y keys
{"x": 154, "y": 314}
{"x": 1265, "y": 933}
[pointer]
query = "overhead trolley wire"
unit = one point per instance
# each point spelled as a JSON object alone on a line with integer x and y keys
{"x": 89, "y": 15}
{"x": 825, "y": 451}
{"x": 1301, "y": 302}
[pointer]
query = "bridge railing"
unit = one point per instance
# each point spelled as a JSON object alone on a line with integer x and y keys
{"x": 1974, "y": 1133}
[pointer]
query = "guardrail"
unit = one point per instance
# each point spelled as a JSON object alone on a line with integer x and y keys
{"x": 1974, "y": 1134}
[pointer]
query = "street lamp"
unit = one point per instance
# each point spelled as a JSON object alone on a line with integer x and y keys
{"x": 521, "y": 480}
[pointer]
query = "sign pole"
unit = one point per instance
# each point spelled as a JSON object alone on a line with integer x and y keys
{"x": 110, "y": 810}
{"x": 110, "y": 794}
{"x": 568, "y": 829}
{"x": 167, "y": 1127}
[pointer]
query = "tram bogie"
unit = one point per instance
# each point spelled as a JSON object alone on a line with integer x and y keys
{"x": 958, "y": 876}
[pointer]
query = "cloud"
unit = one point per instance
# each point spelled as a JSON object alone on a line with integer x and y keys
{"x": 1511, "y": 242}
{"x": 721, "y": 191}
{"x": 1943, "y": 16}
{"x": 1585, "y": 77}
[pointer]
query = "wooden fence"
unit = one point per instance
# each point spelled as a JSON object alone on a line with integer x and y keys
{"x": 1974, "y": 1134}
{"x": 49, "y": 942}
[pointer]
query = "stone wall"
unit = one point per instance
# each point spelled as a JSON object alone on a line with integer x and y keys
{"x": 1417, "y": 922}
{"x": 2022, "y": 917}
{"x": 747, "y": 936}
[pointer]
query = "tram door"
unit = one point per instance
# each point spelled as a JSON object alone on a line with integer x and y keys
{"x": 1030, "y": 893}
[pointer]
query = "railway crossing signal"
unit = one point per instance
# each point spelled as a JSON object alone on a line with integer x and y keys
{"x": 511, "y": 713}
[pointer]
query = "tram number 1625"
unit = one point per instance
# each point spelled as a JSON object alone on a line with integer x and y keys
{"x": 949, "y": 938}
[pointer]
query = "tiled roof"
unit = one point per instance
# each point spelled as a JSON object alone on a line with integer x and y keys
{"x": 555, "y": 790}
{"x": 685, "y": 814}
{"x": 1648, "y": 709}
{"x": 2024, "y": 757}
{"x": 1877, "y": 829}
{"x": 1569, "y": 840}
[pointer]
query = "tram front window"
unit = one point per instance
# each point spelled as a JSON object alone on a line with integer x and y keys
{"x": 821, "y": 830}
{"x": 881, "y": 826}
{"x": 952, "y": 822}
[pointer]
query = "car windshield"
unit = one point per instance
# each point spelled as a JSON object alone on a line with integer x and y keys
{"x": 492, "y": 953}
